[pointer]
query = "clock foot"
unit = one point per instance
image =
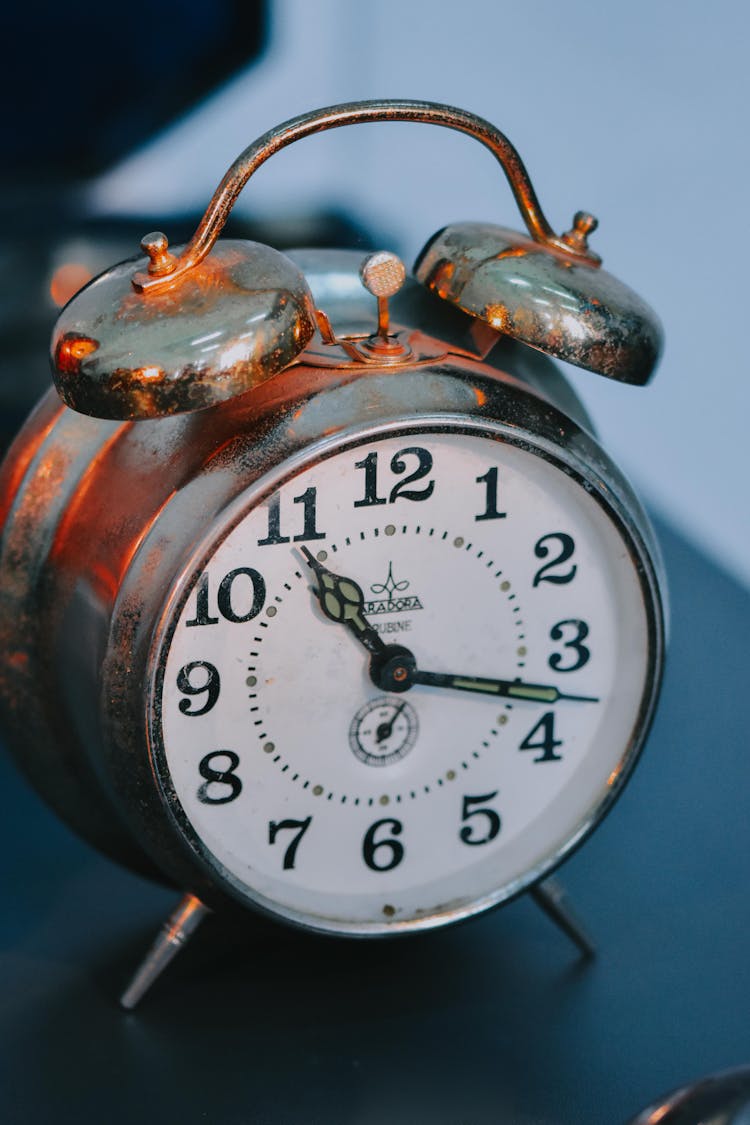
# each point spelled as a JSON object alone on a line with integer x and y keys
{"x": 175, "y": 932}
{"x": 553, "y": 900}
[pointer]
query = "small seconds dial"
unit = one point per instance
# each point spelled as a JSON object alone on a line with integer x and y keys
{"x": 403, "y": 682}
{"x": 383, "y": 731}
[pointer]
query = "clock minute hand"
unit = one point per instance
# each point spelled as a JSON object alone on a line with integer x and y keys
{"x": 342, "y": 601}
{"x": 510, "y": 689}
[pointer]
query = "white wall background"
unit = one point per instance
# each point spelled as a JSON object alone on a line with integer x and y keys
{"x": 636, "y": 111}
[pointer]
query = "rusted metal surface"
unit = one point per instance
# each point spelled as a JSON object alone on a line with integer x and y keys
{"x": 162, "y": 273}
{"x": 98, "y": 518}
{"x": 539, "y": 296}
{"x": 238, "y": 318}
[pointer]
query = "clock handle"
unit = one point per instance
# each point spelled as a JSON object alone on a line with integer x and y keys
{"x": 164, "y": 268}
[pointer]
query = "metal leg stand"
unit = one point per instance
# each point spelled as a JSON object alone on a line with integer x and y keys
{"x": 553, "y": 900}
{"x": 175, "y": 932}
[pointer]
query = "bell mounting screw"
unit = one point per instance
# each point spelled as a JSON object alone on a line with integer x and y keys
{"x": 577, "y": 237}
{"x": 383, "y": 274}
{"x": 156, "y": 245}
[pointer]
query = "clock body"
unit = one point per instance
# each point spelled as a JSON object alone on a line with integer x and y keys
{"x": 172, "y": 684}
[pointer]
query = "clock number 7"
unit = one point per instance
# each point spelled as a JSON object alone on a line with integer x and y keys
{"x": 276, "y": 826}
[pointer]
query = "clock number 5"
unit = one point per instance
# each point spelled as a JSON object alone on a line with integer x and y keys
{"x": 301, "y": 826}
{"x": 483, "y": 830}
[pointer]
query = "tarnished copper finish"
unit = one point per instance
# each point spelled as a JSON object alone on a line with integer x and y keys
{"x": 235, "y": 320}
{"x": 356, "y": 113}
{"x": 542, "y": 298}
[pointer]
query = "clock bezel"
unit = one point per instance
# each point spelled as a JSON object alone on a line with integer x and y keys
{"x": 166, "y": 830}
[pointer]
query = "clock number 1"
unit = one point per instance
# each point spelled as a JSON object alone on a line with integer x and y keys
{"x": 489, "y": 479}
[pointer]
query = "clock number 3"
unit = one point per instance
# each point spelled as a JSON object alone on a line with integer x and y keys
{"x": 575, "y": 643}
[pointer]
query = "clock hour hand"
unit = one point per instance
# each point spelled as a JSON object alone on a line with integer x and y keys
{"x": 342, "y": 600}
{"x": 508, "y": 689}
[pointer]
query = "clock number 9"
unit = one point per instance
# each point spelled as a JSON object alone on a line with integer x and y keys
{"x": 210, "y": 687}
{"x": 394, "y": 848}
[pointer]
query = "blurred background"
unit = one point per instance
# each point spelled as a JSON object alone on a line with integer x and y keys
{"x": 121, "y": 123}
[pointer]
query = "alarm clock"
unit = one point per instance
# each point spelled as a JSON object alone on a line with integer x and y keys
{"x": 319, "y": 596}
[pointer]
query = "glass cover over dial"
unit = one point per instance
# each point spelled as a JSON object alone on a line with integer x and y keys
{"x": 400, "y": 686}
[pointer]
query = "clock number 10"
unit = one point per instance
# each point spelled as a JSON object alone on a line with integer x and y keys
{"x": 233, "y": 606}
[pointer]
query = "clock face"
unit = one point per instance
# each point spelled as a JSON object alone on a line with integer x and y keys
{"x": 400, "y": 686}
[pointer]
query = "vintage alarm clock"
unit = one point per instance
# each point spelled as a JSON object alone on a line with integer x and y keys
{"x": 318, "y": 596}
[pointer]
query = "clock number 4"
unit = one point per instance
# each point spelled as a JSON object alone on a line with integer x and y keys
{"x": 369, "y": 465}
{"x": 299, "y": 827}
{"x": 546, "y": 742}
{"x": 229, "y": 603}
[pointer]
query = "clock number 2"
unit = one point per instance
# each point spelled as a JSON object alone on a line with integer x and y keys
{"x": 567, "y": 549}
{"x": 398, "y": 465}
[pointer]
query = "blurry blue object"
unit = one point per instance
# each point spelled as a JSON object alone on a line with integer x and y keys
{"x": 97, "y": 82}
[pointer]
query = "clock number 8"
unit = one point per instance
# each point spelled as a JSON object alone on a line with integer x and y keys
{"x": 224, "y": 777}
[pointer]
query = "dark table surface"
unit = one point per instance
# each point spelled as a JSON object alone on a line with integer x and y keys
{"x": 495, "y": 1021}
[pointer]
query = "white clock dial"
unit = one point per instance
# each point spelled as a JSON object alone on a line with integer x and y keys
{"x": 403, "y": 683}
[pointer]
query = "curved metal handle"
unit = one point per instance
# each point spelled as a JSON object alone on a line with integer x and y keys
{"x": 165, "y": 269}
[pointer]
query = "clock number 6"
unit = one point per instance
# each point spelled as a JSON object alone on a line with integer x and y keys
{"x": 394, "y": 848}
{"x": 471, "y": 833}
